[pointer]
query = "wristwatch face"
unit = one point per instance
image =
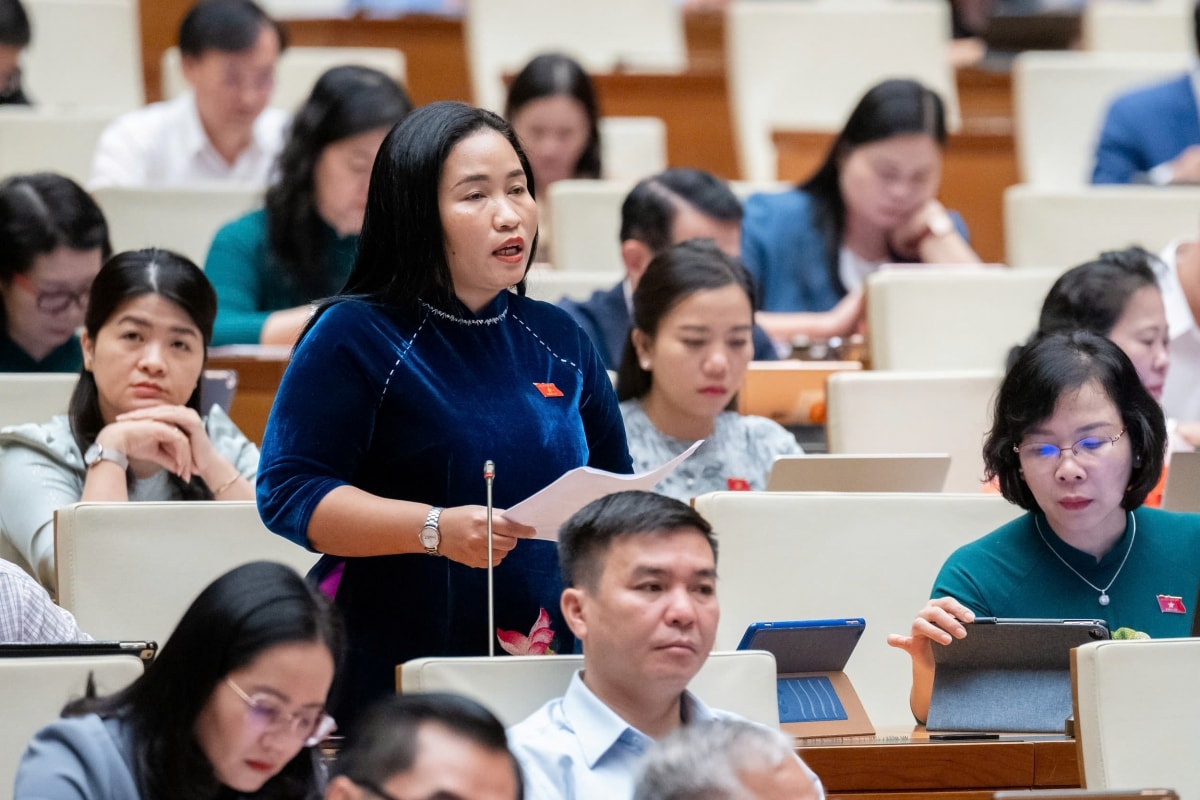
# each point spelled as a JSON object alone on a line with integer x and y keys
{"x": 430, "y": 538}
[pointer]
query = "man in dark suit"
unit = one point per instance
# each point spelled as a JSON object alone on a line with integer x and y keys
{"x": 1152, "y": 134}
{"x": 663, "y": 210}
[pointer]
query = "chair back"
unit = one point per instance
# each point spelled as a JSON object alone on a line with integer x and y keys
{"x": 33, "y": 691}
{"x": 34, "y": 396}
{"x": 877, "y": 411}
{"x": 552, "y": 285}
{"x": 632, "y": 147}
{"x": 1059, "y": 103}
{"x": 33, "y": 140}
{"x": 513, "y": 688}
{"x": 182, "y": 220}
{"x": 1137, "y": 713}
{"x": 814, "y": 555}
{"x": 1059, "y": 228}
{"x": 945, "y": 318}
{"x": 603, "y": 37}
{"x": 86, "y": 55}
{"x": 585, "y": 225}
{"x": 130, "y": 570}
{"x": 805, "y": 65}
{"x": 298, "y": 70}
{"x": 1157, "y": 26}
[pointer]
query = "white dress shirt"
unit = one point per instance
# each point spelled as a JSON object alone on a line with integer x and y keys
{"x": 27, "y": 614}
{"x": 577, "y": 748}
{"x": 164, "y": 145}
{"x": 1181, "y": 392}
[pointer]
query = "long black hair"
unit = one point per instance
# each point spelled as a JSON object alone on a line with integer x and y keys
{"x": 124, "y": 277}
{"x": 402, "y": 252}
{"x": 346, "y": 101}
{"x": 234, "y": 620}
{"x": 551, "y": 75}
{"x": 891, "y": 108}
{"x": 671, "y": 277}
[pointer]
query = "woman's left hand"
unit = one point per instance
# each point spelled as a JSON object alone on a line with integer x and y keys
{"x": 206, "y": 461}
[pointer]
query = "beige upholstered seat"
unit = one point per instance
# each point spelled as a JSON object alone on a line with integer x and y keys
{"x": 941, "y": 318}
{"x": 805, "y": 65}
{"x": 34, "y": 397}
{"x": 515, "y": 687}
{"x": 1149, "y": 26}
{"x": 34, "y": 140}
{"x": 298, "y": 70}
{"x": 632, "y": 147}
{"x": 553, "y": 284}
{"x": 502, "y": 36}
{"x": 878, "y": 411}
{"x": 130, "y": 570}
{"x": 1059, "y": 228}
{"x": 1137, "y": 713}
{"x": 183, "y": 220}
{"x": 34, "y": 690}
{"x": 813, "y": 555}
{"x": 1059, "y": 102}
{"x": 585, "y": 225}
{"x": 86, "y": 55}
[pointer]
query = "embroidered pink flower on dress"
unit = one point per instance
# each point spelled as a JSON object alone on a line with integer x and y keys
{"x": 537, "y": 643}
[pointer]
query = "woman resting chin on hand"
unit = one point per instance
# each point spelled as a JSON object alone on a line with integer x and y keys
{"x": 134, "y": 429}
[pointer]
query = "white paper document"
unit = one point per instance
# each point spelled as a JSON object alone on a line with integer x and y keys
{"x": 551, "y": 507}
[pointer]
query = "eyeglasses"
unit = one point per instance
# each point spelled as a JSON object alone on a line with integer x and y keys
{"x": 1087, "y": 450}
{"x": 54, "y": 301}
{"x": 267, "y": 713}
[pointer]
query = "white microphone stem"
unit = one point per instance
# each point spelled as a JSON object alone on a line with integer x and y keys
{"x": 489, "y": 472}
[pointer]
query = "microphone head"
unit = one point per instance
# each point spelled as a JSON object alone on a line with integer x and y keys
{"x": 489, "y": 469}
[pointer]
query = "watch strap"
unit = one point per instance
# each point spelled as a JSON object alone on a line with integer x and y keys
{"x": 431, "y": 521}
{"x": 97, "y": 453}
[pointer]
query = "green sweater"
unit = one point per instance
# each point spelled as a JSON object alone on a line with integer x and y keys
{"x": 251, "y": 284}
{"x": 1011, "y": 572}
{"x": 67, "y": 357}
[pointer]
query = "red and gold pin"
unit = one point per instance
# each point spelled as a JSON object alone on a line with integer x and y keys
{"x": 1171, "y": 605}
{"x": 549, "y": 390}
{"x": 737, "y": 484}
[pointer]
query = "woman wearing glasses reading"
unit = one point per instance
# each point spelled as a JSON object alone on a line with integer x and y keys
{"x": 53, "y": 240}
{"x": 232, "y": 707}
{"x": 1078, "y": 442}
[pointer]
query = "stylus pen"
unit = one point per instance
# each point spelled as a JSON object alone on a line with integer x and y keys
{"x": 962, "y": 737}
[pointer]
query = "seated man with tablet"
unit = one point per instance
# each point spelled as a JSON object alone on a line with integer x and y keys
{"x": 640, "y": 571}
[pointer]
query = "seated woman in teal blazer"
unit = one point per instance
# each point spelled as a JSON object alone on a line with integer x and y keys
{"x": 873, "y": 201}
{"x": 269, "y": 265}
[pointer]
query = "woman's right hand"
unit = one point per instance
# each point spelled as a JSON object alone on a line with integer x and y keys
{"x": 150, "y": 440}
{"x": 464, "y": 535}
{"x": 941, "y": 621}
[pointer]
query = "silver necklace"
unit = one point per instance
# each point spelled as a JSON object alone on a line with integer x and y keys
{"x": 1104, "y": 599}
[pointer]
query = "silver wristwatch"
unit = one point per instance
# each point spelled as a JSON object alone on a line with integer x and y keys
{"x": 97, "y": 453}
{"x": 431, "y": 535}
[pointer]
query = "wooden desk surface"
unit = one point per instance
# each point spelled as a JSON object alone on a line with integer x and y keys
{"x": 259, "y": 371}
{"x": 906, "y": 766}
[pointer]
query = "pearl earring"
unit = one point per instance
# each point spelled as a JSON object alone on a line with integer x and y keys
{"x": 646, "y": 364}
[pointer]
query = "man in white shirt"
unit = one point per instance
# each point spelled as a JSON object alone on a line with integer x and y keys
{"x": 1180, "y": 286}
{"x": 220, "y": 131}
{"x": 27, "y": 614}
{"x": 641, "y": 578}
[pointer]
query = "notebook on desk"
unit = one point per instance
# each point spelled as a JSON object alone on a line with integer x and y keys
{"x": 789, "y": 392}
{"x": 815, "y": 697}
{"x": 843, "y": 472}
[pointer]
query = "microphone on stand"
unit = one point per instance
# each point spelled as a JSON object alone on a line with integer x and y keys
{"x": 489, "y": 473}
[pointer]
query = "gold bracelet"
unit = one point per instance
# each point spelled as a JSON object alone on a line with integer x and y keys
{"x": 226, "y": 485}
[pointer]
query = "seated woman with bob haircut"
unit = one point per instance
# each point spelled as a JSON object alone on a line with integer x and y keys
{"x": 1078, "y": 442}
